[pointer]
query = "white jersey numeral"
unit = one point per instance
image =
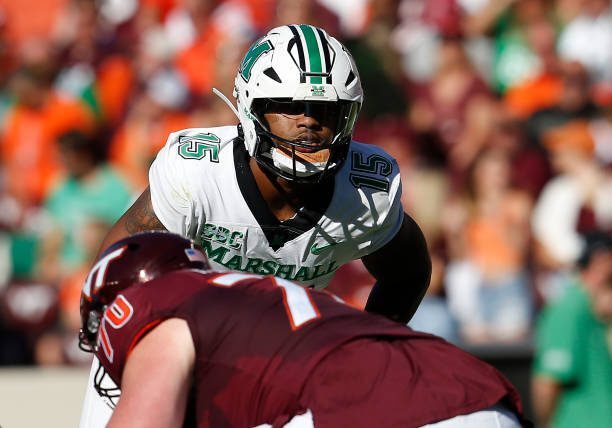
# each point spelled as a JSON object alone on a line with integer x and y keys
{"x": 299, "y": 306}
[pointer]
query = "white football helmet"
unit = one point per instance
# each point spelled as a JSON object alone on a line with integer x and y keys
{"x": 298, "y": 69}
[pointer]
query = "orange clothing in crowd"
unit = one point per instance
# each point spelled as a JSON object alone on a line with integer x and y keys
{"x": 489, "y": 247}
{"x": 28, "y": 147}
{"x": 497, "y": 242}
{"x": 197, "y": 63}
{"x": 136, "y": 144}
{"x": 30, "y": 18}
{"x": 114, "y": 84}
{"x": 541, "y": 92}
{"x": 162, "y": 7}
{"x": 575, "y": 136}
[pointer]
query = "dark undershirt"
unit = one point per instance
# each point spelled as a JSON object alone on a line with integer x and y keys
{"x": 277, "y": 232}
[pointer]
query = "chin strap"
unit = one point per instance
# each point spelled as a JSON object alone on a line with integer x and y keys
{"x": 226, "y": 101}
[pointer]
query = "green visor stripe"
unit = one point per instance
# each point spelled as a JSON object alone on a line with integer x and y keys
{"x": 313, "y": 52}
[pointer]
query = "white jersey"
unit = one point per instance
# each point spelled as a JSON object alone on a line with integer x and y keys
{"x": 202, "y": 187}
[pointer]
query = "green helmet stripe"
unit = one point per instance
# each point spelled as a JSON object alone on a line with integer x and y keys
{"x": 314, "y": 53}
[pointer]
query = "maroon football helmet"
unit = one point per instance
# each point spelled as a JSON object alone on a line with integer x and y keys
{"x": 133, "y": 260}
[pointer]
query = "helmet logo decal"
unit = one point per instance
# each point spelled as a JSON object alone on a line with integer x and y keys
{"x": 251, "y": 57}
{"x": 317, "y": 91}
{"x": 196, "y": 146}
{"x": 99, "y": 271}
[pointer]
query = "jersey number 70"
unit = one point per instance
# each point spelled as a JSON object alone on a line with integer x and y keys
{"x": 299, "y": 306}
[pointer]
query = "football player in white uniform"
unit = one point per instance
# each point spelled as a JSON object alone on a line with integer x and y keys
{"x": 287, "y": 192}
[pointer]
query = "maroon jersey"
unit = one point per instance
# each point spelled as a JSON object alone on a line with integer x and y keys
{"x": 267, "y": 349}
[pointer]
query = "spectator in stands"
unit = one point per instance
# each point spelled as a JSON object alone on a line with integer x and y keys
{"x": 487, "y": 238}
{"x": 153, "y": 114}
{"x": 447, "y": 111}
{"x": 416, "y": 41}
{"x": 77, "y": 38}
{"x": 56, "y": 344}
{"x": 27, "y": 309}
{"x": 434, "y": 315}
{"x": 29, "y": 158}
{"x": 542, "y": 89}
{"x": 575, "y": 102}
{"x": 572, "y": 383}
{"x": 91, "y": 191}
{"x": 212, "y": 110}
{"x": 379, "y": 64}
{"x": 577, "y": 199}
{"x": 97, "y": 65}
{"x": 7, "y": 63}
{"x": 38, "y": 116}
{"x": 508, "y": 22}
{"x": 588, "y": 39}
{"x": 601, "y": 128}
{"x": 530, "y": 166}
{"x": 197, "y": 61}
{"x": 81, "y": 208}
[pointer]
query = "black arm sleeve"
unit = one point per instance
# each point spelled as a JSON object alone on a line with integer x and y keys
{"x": 402, "y": 269}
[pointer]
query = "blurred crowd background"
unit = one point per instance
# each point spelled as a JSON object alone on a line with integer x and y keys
{"x": 498, "y": 112}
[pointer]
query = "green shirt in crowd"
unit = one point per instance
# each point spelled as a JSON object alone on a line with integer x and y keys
{"x": 75, "y": 205}
{"x": 571, "y": 348}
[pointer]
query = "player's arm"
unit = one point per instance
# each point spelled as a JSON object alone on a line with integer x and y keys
{"x": 545, "y": 395}
{"x": 138, "y": 218}
{"x": 157, "y": 378}
{"x": 402, "y": 269}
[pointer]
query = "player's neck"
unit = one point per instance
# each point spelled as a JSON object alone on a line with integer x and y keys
{"x": 283, "y": 197}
